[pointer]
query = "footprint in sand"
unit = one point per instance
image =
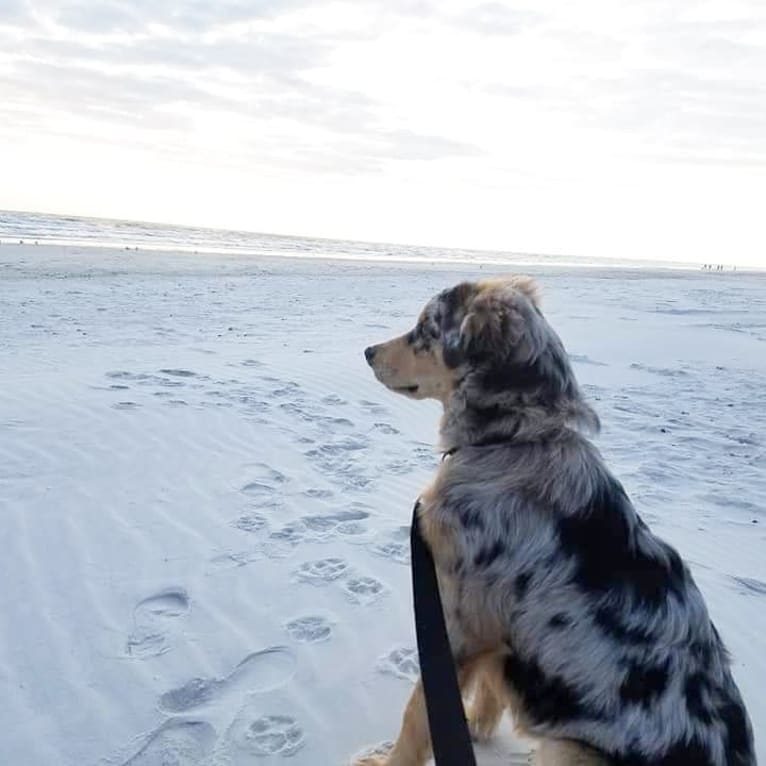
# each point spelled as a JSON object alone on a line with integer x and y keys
{"x": 322, "y": 571}
{"x": 333, "y": 399}
{"x": 264, "y": 481}
{"x": 155, "y": 621}
{"x": 125, "y": 375}
{"x": 175, "y": 743}
{"x": 394, "y": 546}
{"x": 299, "y": 411}
{"x": 288, "y": 388}
{"x": 254, "y": 733}
{"x": 179, "y": 373}
{"x": 250, "y": 522}
{"x": 398, "y": 467}
{"x": 339, "y": 461}
{"x": 424, "y": 455}
{"x": 386, "y": 428}
{"x": 401, "y": 662}
{"x": 324, "y": 421}
{"x": 310, "y": 629}
{"x": 289, "y": 534}
{"x": 234, "y": 559}
{"x": 393, "y": 551}
{"x": 259, "y": 672}
{"x": 346, "y": 523}
{"x": 375, "y": 408}
{"x": 319, "y": 494}
{"x": 372, "y": 754}
{"x": 364, "y": 590}
{"x": 165, "y": 382}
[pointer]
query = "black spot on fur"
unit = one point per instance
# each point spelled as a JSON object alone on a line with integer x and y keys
{"x": 612, "y": 554}
{"x": 684, "y": 753}
{"x": 469, "y": 517}
{"x": 693, "y": 753}
{"x": 521, "y": 584}
{"x": 452, "y": 301}
{"x": 739, "y": 738}
{"x": 489, "y": 554}
{"x": 696, "y": 691}
{"x": 512, "y": 376}
{"x": 548, "y": 699}
{"x": 452, "y": 353}
{"x": 482, "y": 417}
{"x": 702, "y": 651}
{"x": 644, "y": 684}
{"x": 611, "y": 625}
{"x": 559, "y": 621}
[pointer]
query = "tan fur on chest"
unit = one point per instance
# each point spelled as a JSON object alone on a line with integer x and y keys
{"x": 471, "y": 625}
{"x": 439, "y": 535}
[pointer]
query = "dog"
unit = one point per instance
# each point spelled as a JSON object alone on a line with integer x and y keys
{"x": 560, "y": 603}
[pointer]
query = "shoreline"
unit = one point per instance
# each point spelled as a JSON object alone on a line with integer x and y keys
{"x": 253, "y": 257}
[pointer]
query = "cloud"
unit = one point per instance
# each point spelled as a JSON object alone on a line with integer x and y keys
{"x": 489, "y": 96}
{"x": 162, "y": 81}
{"x": 107, "y": 16}
{"x": 496, "y": 18}
{"x": 665, "y": 81}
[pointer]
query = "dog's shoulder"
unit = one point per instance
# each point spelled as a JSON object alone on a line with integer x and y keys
{"x": 438, "y": 533}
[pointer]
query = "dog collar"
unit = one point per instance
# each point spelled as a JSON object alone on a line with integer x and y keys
{"x": 509, "y": 441}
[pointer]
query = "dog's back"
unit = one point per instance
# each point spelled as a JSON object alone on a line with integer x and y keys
{"x": 609, "y": 640}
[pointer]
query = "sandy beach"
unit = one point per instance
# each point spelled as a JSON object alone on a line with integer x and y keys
{"x": 205, "y": 494}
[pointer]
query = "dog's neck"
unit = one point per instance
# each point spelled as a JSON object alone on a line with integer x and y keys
{"x": 473, "y": 418}
{"x": 464, "y": 425}
{"x": 489, "y": 442}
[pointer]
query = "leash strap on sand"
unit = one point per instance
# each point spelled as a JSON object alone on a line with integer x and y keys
{"x": 450, "y": 738}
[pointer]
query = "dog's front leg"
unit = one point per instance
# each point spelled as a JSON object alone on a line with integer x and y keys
{"x": 486, "y": 709}
{"x": 413, "y": 746}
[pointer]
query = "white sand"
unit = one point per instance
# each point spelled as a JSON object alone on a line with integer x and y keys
{"x": 200, "y": 479}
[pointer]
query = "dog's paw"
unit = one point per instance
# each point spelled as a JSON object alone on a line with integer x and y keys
{"x": 371, "y": 760}
{"x": 373, "y": 756}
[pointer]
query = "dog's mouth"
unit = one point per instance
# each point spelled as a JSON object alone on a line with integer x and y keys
{"x": 406, "y": 389}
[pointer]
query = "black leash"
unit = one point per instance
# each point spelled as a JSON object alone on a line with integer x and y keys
{"x": 450, "y": 738}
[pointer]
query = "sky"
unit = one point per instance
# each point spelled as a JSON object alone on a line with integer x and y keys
{"x": 624, "y": 128}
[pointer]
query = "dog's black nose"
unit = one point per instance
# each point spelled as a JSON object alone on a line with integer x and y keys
{"x": 369, "y": 354}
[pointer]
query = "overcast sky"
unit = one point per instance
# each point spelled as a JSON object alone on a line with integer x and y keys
{"x": 617, "y": 128}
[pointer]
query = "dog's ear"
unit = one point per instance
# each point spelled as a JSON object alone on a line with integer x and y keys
{"x": 503, "y": 321}
{"x": 452, "y": 348}
{"x": 525, "y": 285}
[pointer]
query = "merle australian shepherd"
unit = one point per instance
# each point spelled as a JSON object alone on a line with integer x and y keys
{"x": 560, "y": 603}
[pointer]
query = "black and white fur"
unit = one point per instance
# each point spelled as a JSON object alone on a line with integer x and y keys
{"x": 560, "y": 601}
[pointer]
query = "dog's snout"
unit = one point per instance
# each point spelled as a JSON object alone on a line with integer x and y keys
{"x": 369, "y": 354}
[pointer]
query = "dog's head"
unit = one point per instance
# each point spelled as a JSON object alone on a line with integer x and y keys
{"x": 473, "y": 324}
{"x": 489, "y": 343}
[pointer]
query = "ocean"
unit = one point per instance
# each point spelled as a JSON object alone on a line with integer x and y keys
{"x": 45, "y": 228}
